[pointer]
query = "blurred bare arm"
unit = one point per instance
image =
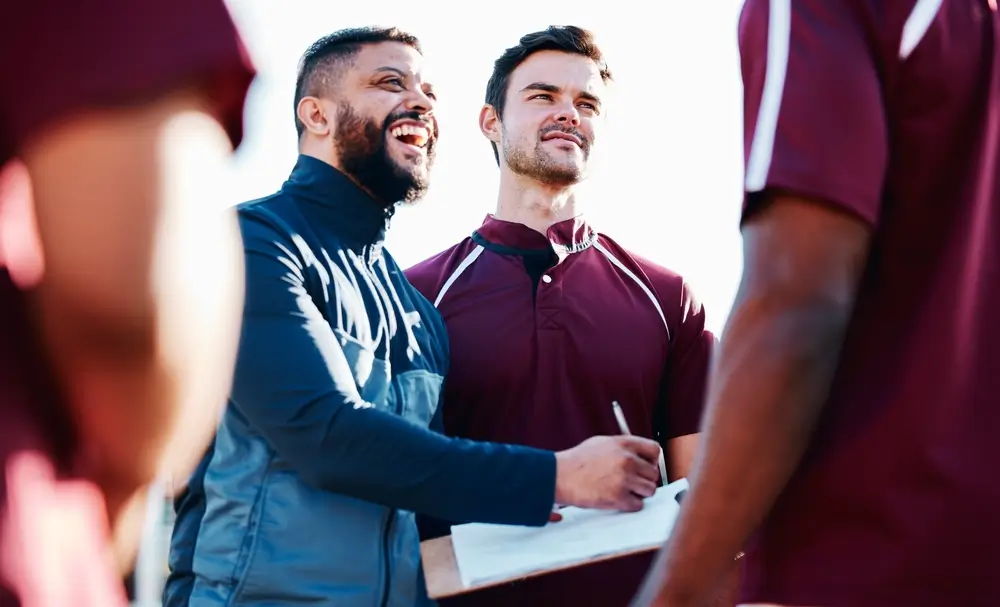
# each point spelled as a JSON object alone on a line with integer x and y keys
{"x": 680, "y": 455}
{"x": 141, "y": 298}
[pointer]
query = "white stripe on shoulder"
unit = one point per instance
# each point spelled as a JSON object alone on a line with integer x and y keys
{"x": 618, "y": 264}
{"x": 917, "y": 24}
{"x": 458, "y": 272}
{"x": 779, "y": 32}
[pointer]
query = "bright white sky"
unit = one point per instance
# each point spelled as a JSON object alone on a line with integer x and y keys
{"x": 672, "y": 149}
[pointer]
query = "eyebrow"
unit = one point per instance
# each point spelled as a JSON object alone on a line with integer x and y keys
{"x": 551, "y": 88}
{"x": 389, "y": 68}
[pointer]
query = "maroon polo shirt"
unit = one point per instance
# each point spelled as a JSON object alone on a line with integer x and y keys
{"x": 546, "y": 331}
{"x": 890, "y": 111}
{"x": 59, "y": 58}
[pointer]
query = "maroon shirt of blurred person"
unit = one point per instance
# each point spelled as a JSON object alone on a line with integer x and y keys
{"x": 889, "y": 112}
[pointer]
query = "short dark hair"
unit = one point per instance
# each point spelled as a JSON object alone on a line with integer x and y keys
{"x": 316, "y": 75}
{"x": 564, "y": 38}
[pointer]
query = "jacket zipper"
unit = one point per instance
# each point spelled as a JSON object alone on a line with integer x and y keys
{"x": 386, "y": 561}
{"x": 389, "y": 520}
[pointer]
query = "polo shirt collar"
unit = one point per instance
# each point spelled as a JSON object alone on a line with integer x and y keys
{"x": 359, "y": 217}
{"x": 565, "y": 237}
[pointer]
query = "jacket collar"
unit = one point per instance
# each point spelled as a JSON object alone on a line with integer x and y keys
{"x": 360, "y": 218}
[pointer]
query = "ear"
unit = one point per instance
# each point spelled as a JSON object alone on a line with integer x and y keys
{"x": 489, "y": 123}
{"x": 314, "y": 116}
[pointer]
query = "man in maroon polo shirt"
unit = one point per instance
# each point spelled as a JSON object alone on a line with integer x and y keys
{"x": 853, "y": 414}
{"x": 550, "y": 321}
{"x": 121, "y": 326}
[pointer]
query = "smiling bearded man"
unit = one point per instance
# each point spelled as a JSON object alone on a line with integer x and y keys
{"x": 364, "y": 152}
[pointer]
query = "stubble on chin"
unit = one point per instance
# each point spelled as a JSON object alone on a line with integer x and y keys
{"x": 543, "y": 167}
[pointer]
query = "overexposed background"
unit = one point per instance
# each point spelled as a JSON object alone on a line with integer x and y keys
{"x": 668, "y": 180}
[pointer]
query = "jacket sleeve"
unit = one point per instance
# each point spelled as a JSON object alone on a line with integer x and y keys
{"x": 295, "y": 386}
{"x": 431, "y": 527}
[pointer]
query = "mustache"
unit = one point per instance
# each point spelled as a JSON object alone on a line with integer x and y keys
{"x": 427, "y": 120}
{"x": 573, "y": 132}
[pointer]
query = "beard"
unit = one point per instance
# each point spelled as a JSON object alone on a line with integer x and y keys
{"x": 361, "y": 146}
{"x": 540, "y": 165}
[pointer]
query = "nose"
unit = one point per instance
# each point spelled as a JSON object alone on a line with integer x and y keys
{"x": 420, "y": 102}
{"x": 567, "y": 114}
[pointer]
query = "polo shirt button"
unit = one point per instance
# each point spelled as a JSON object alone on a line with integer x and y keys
{"x": 546, "y": 278}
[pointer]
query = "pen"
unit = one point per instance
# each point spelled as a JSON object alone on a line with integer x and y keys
{"x": 623, "y": 425}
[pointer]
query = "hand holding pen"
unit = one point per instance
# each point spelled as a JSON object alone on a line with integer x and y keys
{"x": 623, "y": 425}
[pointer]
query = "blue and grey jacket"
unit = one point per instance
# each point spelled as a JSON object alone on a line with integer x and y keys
{"x": 327, "y": 449}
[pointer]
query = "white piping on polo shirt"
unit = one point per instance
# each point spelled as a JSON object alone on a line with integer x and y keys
{"x": 618, "y": 264}
{"x": 473, "y": 256}
{"x": 917, "y": 24}
{"x": 476, "y": 252}
{"x": 779, "y": 30}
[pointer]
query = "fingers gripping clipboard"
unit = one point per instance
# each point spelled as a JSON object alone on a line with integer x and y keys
{"x": 477, "y": 556}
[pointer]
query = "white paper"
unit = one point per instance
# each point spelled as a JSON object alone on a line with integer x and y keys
{"x": 486, "y": 553}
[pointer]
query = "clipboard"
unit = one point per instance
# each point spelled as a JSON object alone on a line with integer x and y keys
{"x": 589, "y": 536}
{"x": 443, "y": 579}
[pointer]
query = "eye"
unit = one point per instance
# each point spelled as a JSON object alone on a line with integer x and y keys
{"x": 589, "y": 105}
{"x": 395, "y": 81}
{"x": 545, "y": 96}
{"x": 431, "y": 95}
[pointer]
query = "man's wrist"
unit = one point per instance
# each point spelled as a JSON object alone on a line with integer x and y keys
{"x": 559, "y": 497}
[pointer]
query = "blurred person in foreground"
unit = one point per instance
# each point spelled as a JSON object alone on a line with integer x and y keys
{"x": 851, "y": 433}
{"x": 121, "y": 282}
{"x": 550, "y": 321}
{"x": 329, "y": 444}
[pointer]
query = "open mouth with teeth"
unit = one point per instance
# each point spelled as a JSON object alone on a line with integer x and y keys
{"x": 411, "y": 134}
